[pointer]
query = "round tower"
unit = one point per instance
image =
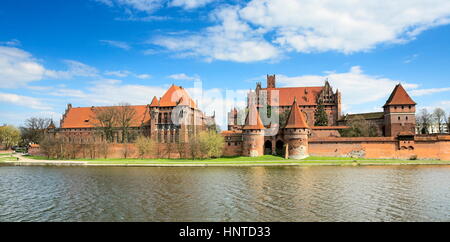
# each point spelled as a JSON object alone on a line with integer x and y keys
{"x": 253, "y": 134}
{"x": 296, "y": 133}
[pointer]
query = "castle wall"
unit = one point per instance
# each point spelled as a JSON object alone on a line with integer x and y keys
{"x": 437, "y": 147}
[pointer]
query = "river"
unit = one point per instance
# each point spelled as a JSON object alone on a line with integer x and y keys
{"x": 369, "y": 193}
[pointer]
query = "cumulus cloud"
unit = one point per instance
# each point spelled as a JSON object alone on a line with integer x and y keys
{"x": 232, "y": 40}
{"x": 18, "y": 68}
{"x": 24, "y": 101}
{"x": 262, "y": 29}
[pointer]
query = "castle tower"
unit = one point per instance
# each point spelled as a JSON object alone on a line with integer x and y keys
{"x": 253, "y": 133}
{"x": 271, "y": 81}
{"x": 154, "y": 115}
{"x": 296, "y": 133}
{"x": 399, "y": 113}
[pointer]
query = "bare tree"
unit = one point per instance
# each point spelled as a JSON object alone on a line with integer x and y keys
{"x": 424, "y": 119}
{"x": 106, "y": 117}
{"x": 34, "y": 129}
{"x": 439, "y": 117}
{"x": 125, "y": 114}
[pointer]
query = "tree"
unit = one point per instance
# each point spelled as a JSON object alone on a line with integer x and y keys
{"x": 439, "y": 117}
{"x": 125, "y": 114}
{"x": 448, "y": 124}
{"x": 106, "y": 117}
{"x": 9, "y": 136}
{"x": 359, "y": 127}
{"x": 145, "y": 146}
{"x": 423, "y": 119}
{"x": 210, "y": 144}
{"x": 321, "y": 117}
{"x": 34, "y": 129}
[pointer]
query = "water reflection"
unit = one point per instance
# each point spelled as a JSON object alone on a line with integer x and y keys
{"x": 403, "y": 193}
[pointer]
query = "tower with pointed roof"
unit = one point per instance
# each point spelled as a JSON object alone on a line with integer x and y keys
{"x": 399, "y": 113}
{"x": 253, "y": 133}
{"x": 296, "y": 132}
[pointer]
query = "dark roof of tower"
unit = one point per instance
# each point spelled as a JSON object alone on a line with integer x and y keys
{"x": 253, "y": 121}
{"x": 296, "y": 119}
{"x": 399, "y": 97}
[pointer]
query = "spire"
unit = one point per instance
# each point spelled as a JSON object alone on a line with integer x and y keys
{"x": 399, "y": 97}
{"x": 253, "y": 121}
{"x": 296, "y": 119}
{"x": 154, "y": 102}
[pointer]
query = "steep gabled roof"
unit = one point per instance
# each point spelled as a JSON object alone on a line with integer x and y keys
{"x": 253, "y": 121}
{"x": 173, "y": 95}
{"x": 155, "y": 102}
{"x": 84, "y": 117}
{"x": 306, "y": 95}
{"x": 296, "y": 119}
{"x": 399, "y": 97}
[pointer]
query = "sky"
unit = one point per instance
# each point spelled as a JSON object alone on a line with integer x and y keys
{"x": 104, "y": 52}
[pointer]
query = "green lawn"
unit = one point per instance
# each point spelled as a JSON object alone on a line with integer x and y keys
{"x": 267, "y": 159}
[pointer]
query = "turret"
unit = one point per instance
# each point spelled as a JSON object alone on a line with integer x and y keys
{"x": 399, "y": 113}
{"x": 271, "y": 81}
{"x": 253, "y": 133}
{"x": 296, "y": 133}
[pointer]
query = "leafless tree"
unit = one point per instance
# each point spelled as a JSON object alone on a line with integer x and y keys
{"x": 439, "y": 117}
{"x": 34, "y": 129}
{"x": 106, "y": 117}
{"x": 424, "y": 120}
{"x": 124, "y": 116}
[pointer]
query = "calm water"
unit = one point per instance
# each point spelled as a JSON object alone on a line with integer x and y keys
{"x": 225, "y": 194}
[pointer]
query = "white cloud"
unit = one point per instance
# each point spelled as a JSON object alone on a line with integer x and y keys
{"x": 143, "y": 76}
{"x": 263, "y": 29}
{"x": 125, "y": 73}
{"x": 24, "y": 101}
{"x": 18, "y": 68}
{"x": 75, "y": 68}
{"x": 422, "y": 92}
{"x": 140, "y": 5}
{"x": 345, "y": 26}
{"x": 189, "y": 4}
{"x": 13, "y": 42}
{"x": 356, "y": 86}
{"x": 110, "y": 92}
{"x": 117, "y": 44}
{"x": 182, "y": 76}
{"x": 232, "y": 40}
{"x": 118, "y": 73}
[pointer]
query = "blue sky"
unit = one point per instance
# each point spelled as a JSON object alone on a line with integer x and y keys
{"x": 102, "y": 52}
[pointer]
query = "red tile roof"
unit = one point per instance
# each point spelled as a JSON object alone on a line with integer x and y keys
{"x": 296, "y": 118}
{"x": 84, "y": 117}
{"x": 253, "y": 121}
{"x": 174, "y": 95}
{"x": 155, "y": 102}
{"x": 305, "y": 95}
{"x": 399, "y": 97}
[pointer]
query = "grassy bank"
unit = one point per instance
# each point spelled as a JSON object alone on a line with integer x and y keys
{"x": 262, "y": 160}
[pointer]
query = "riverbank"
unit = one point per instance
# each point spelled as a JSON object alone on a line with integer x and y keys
{"x": 19, "y": 160}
